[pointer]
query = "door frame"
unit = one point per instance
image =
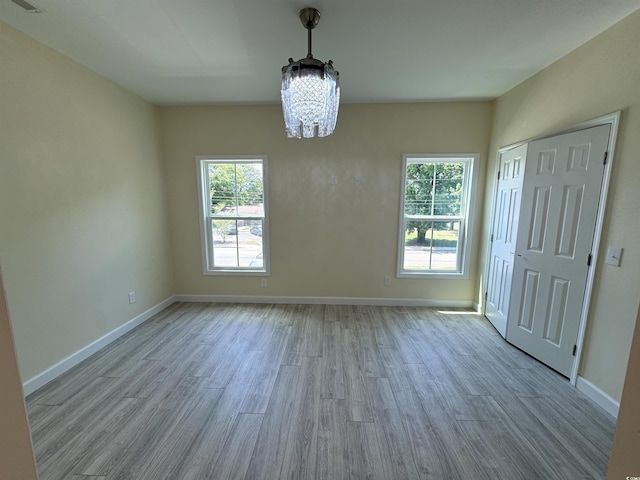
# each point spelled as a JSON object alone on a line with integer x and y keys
{"x": 612, "y": 119}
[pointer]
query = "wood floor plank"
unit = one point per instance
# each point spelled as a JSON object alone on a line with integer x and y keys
{"x": 233, "y": 359}
{"x": 577, "y": 442}
{"x": 333, "y": 382}
{"x": 394, "y": 367}
{"x": 456, "y": 458}
{"x": 364, "y": 453}
{"x": 483, "y": 444}
{"x": 428, "y": 454}
{"x": 269, "y": 451}
{"x": 236, "y": 454}
{"x": 67, "y": 425}
{"x": 357, "y": 396}
{"x": 399, "y": 331}
{"x": 315, "y": 391}
{"x": 257, "y": 398}
{"x": 94, "y": 452}
{"x": 200, "y": 461}
{"x": 142, "y": 445}
{"x": 306, "y": 334}
{"x": 301, "y": 453}
{"x": 398, "y": 462}
{"x": 333, "y": 461}
{"x": 377, "y": 325}
{"x": 544, "y": 445}
{"x": 313, "y": 335}
{"x": 368, "y": 343}
{"x": 589, "y": 422}
{"x": 439, "y": 385}
{"x": 182, "y": 437}
{"x": 468, "y": 370}
{"x": 503, "y": 451}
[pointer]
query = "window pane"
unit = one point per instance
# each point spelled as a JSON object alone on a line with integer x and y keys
{"x": 431, "y": 245}
{"x": 237, "y": 243}
{"x": 225, "y": 243}
{"x": 448, "y": 189}
{"x": 222, "y": 188}
{"x": 250, "y": 189}
{"x": 236, "y": 189}
{"x": 250, "y": 244}
{"x": 419, "y": 189}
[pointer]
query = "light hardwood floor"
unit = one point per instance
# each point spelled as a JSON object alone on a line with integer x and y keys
{"x": 221, "y": 391}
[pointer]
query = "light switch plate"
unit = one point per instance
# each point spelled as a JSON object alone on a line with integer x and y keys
{"x": 613, "y": 256}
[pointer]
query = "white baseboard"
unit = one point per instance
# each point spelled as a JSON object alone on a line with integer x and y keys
{"x": 72, "y": 360}
{"x": 598, "y": 396}
{"x": 384, "y": 302}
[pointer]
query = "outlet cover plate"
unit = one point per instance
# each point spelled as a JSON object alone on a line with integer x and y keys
{"x": 613, "y": 256}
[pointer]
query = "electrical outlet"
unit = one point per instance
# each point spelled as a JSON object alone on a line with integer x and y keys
{"x": 357, "y": 180}
{"x": 613, "y": 256}
{"x": 263, "y": 282}
{"x": 387, "y": 281}
{"x": 333, "y": 180}
{"x": 132, "y": 297}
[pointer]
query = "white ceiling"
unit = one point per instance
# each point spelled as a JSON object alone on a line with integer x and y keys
{"x": 231, "y": 51}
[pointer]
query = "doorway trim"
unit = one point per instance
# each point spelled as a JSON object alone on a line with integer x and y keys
{"x": 612, "y": 119}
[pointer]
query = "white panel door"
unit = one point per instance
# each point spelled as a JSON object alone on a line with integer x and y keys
{"x": 503, "y": 236}
{"x": 560, "y": 197}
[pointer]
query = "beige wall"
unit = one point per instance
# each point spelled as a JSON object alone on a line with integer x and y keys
{"x": 600, "y": 77}
{"x": 625, "y": 461}
{"x": 16, "y": 455}
{"x": 82, "y": 203}
{"x": 326, "y": 240}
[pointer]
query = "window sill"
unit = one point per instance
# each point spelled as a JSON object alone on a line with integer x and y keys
{"x": 433, "y": 275}
{"x": 238, "y": 273}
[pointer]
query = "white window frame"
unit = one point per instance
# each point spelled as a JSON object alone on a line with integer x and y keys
{"x": 466, "y": 220}
{"x": 204, "y": 209}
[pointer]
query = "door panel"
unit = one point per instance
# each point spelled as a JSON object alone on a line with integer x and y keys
{"x": 569, "y": 220}
{"x": 555, "y": 317}
{"x": 559, "y": 206}
{"x": 539, "y": 218}
{"x": 528, "y": 304}
{"x": 505, "y": 229}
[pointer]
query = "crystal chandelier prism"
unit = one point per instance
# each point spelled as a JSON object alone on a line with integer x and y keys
{"x": 310, "y": 90}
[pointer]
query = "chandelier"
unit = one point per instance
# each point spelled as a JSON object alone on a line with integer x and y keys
{"x": 310, "y": 90}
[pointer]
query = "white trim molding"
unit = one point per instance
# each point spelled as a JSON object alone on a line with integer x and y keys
{"x": 383, "y": 302}
{"x": 465, "y": 218}
{"x": 598, "y": 396}
{"x": 40, "y": 380}
{"x": 207, "y": 216}
{"x": 613, "y": 120}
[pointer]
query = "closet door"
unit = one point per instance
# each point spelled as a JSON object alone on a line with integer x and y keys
{"x": 560, "y": 196}
{"x": 503, "y": 236}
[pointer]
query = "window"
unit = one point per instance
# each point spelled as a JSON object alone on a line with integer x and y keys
{"x": 233, "y": 215}
{"x": 435, "y": 215}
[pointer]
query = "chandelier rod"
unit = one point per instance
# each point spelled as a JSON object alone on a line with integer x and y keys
{"x": 309, "y": 17}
